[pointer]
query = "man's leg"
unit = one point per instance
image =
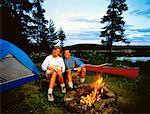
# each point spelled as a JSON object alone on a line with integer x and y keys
{"x": 61, "y": 80}
{"x": 69, "y": 76}
{"x": 83, "y": 73}
{"x": 51, "y": 86}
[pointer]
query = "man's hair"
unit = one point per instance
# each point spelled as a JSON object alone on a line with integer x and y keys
{"x": 66, "y": 49}
{"x": 57, "y": 47}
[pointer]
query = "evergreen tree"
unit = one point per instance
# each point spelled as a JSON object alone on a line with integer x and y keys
{"x": 61, "y": 36}
{"x": 39, "y": 30}
{"x": 114, "y": 31}
{"x": 23, "y": 23}
{"x": 52, "y": 34}
{"x": 13, "y": 21}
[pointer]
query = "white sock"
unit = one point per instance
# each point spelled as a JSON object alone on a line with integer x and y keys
{"x": 62, "y": 85}
{"x": 82, "y": 80}
{"x": 50, "y": 90}
{"x": 70, "y": 84}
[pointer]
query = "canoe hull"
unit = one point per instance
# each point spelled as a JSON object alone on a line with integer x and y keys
{"x": 125, "y": 72}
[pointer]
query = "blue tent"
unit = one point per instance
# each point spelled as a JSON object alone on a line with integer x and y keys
{"x": 16, "y": 68}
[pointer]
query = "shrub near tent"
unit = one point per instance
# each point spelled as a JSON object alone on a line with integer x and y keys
{"x": 15, "y": 66}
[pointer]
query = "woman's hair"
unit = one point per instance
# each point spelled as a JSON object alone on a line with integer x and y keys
{"x": 57, "y": 47}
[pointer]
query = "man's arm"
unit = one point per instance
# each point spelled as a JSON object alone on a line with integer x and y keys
{"x": 78, "y": 62}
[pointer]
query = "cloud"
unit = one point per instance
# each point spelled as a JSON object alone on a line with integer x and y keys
{"x": 84, "y": 29}
{"x": 73, "y": 42}
{"x": 138, "y": 12}
{"x": 137, "y": 36}
{"x": 147, "y": 36}
{"x": 140, "y": 36}
{"x": 89, "y": 33}
{"x": 144, "y": 30}
{"x": 128, "y": 26}
{"x": 133, "y": 31}
{"x": 83, "y": 35}
{"x": 84, "y": 19}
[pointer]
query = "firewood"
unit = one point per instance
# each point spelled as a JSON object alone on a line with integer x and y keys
{"x": 92, "y": 111}
{"x": 110, "y": 100}
{"x": 108, "y": 111}
{"x": 70, "y": 95}
{"x": 99, "y": 105}
{"x": 110, "y": 94}
{"x": 81, "y": 99}
{"x": 106, "y": 89}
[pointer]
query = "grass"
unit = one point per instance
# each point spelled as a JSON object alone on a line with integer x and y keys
{"x": 28, "y": 99}
{"x": 133, "y": 95}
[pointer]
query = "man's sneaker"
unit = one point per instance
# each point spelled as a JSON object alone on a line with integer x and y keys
{"x": 50, "y": 97}
{"x": 63, "y": 89}
{"x": 82, "y": 80}
{"x": 70, "y": 89}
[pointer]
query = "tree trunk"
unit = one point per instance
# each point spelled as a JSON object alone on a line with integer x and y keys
{"x": 109, "y": 51}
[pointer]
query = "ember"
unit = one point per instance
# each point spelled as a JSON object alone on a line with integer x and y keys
{"x": 88, "y": 100}
{"x": 91, "y": 98}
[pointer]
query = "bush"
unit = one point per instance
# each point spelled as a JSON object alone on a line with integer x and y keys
{"x": 97, "y": 57}
{"x": 38, "y": 57}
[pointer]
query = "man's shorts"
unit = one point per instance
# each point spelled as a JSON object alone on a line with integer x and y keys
{"x": 77, "y": 69}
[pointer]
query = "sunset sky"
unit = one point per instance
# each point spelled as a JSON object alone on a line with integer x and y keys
{"x": 80, "y": 20}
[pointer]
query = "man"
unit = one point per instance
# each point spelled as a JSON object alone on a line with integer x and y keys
{"x": 73, "y": 63}
{"x": 54, "y": 66}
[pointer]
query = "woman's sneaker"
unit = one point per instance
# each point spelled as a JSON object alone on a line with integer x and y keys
{"x": 63, "y": 89}
{"x": 50, "y": 97}
{"x": 70, "y": 89}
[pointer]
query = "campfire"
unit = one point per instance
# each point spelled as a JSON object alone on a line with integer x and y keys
{"x": 91, "y": 98}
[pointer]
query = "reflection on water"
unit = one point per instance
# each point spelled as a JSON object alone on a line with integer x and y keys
{"x": 134, "y": 59}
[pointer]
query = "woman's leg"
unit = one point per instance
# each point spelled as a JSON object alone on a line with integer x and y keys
{"x": 61, "y": 81}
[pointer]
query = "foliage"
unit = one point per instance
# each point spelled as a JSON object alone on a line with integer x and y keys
{"x": 14, "y": 21}
{"x": 24, "y": 24}
{"x": 113, "y": 31}
{"x": 96, "y": 57}
{"x": 38, "y": 57}
{"x": 38, "y": 29}
{"x": 62, "y": 37}
{"x": 123, "y": 63}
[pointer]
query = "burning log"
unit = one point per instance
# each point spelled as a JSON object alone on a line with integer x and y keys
{"x": 91, "y": 98}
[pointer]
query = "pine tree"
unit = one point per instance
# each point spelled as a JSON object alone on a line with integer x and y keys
{"x": 52, "y": 36}
{"x": 39, "y": 29}
{"x": 114, "y": 31}
{"x": 23, "y": 23}
{"x": 14, "y": 20}
{"x": 62, "y": 37}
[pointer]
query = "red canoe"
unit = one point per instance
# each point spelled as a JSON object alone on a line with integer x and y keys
{"x": 126, "y": 72}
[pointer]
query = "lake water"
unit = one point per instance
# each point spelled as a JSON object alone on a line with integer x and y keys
{"x": 134, "y": 59}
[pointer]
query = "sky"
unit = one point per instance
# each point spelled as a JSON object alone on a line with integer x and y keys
{"x": 80, "y": 20}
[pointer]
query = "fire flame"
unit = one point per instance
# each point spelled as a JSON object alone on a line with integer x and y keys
{"x": 91, "y": 98}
